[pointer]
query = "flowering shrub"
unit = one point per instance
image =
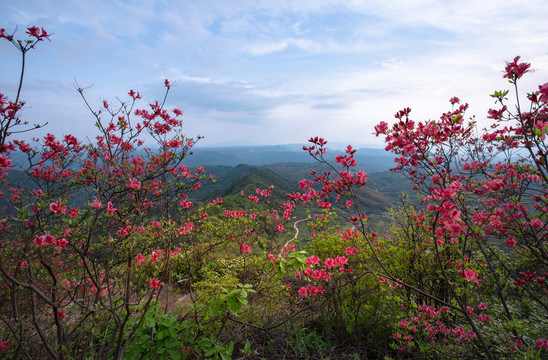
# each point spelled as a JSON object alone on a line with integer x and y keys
{"x": 94, "y": 234}
{"x": 71, "y": 240}
{"x": 483, "y": 230}
{"x": 486, "y": 205}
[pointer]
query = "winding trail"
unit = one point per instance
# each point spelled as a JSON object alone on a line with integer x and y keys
{"x": 296, "y": 234}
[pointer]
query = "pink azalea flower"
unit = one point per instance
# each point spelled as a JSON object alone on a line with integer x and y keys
{"x": 57, "y": 208}
{"x": 73, "y": 212}
{"x": 185, "y": 204}
{"x": 49, "y": 239}
{"x": 543, "y": 89}
{"x": 341, "y": 260}
{"x": 155, "y": 284}
{"x": 245, "y": 248}
{"x": 38, "y": 192}
{"x": 96, "y": 204}
{"x": 511, "y": 242}
{"x": 330, "y": 263}
{"x": 111, "y": 210}
{"x": 312, "y": 260}
{"x": 381, "y": 128}
{"x": 536, "y": 223}
{"x": 542, "y": 343}
{"x": 514, "y": 70}
{"x": 470, "y": 275}
{"x": 33, "y": 31}
{"x": 4, "y": 344}
{"x": 134, "y": 184}
{"x": 39, "y": 241}
{"x": 62, "y": 243}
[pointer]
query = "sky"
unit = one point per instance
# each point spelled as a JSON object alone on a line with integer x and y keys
{"x": 271, "y": 72}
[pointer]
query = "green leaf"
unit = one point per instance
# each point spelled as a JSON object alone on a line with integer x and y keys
{"x": 242, "y": 301}
{"x": 247, "y": 348}
{"x": 150, "y": 321}
{"x": 213, "y": 311}
{"x": 209, "y": 352}
{"x": 233, "y": 306}
{"x": 174, "y": 354}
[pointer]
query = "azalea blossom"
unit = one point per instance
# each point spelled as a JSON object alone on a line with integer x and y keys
{"x": 111, "y": 210}
{"x": 381, "y": 128}
{"x": 96, "y": 204}
{"x": 536, "y": 223}
{"x": 134, "y": 184}
{"x": 35, "y": 31}
{"x": 514, "y": 70}
{"x": 62, "y": 243}
{"x": 245, "y": 248}
{"x": 542, "y": 343}
{"x": 57, "y": 208}
{"x": 155, "y": 284}
{"x": 543, "y": 89}
{"x": 470, "y": 275}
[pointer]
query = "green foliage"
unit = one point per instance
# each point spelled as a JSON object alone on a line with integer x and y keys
{"x": 212, "y": 349}
{"x": 231, "y": 300}
{"x": 159, "y": 336}
{"x": 291, "y": 261}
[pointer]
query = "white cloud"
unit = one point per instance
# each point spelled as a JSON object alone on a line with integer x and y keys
{"x": 263, "y": 49}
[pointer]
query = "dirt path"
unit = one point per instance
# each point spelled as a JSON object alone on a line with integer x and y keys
{"x": 296, "y": 234}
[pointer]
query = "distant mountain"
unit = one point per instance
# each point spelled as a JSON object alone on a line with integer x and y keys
{"x": 250, "y": 155}
{"x": 244, "y": 178}
{"x": 285, "y": 178}
{"x": 370, "y": 160}
{"x": 247, "y": 168}
{"x": 392, "y": 185}
{"x": 285, "y": 165}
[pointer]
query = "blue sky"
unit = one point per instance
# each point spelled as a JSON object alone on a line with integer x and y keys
{"x": 272, "y": 72}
